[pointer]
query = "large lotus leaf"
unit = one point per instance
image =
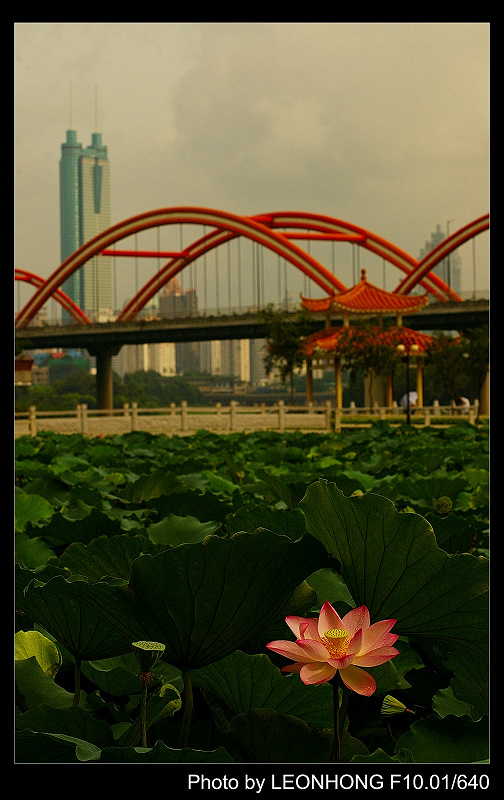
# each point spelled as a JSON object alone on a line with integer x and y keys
{"x": 202, "y": 600}
{"x": 264, "y": 736}
{"x": 62, "y": 531}
{"x": 205, "y": 506}
{"x": 31, "y": 553}
{"x": 104, "y": 556}
{"x": 147, "y": 487}
{"x": 73, "y": 722}
{"x": 37, "y": 687}
{"x": 285, "y": 522}
{"x": 61, "y": 609}
{"x": 245, "y": 682}
{"x": 174, "y": 530}
{"x": 448, "y": 740}
{"x": 53, "y": 748}
{"x": 30, "y": 508}
{"x": 34, "y": 643}
{"x": 391, "y": 563}
{"x": 207, "y": 599}
{"x": 161, "y": 754}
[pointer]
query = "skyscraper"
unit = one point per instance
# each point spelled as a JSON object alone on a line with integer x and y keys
{"x": 84, "y": 213}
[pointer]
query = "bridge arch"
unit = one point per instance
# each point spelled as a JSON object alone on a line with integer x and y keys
{"x": 440, "y": 252}
{"x": 324, "y": 227}
{"x": 263, "y": 229}
{"x": 246, "y": 226}
{"x": 62, "y": 298}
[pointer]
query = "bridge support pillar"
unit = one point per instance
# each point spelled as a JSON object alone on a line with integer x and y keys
{"x": 104, "y": 384}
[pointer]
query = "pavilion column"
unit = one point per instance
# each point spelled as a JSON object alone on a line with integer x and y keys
{"x": 390, "y": 391}
{"x": 338, "y": 387}
{"x": 309, "y": 380}
{"x": 419, "y": 381}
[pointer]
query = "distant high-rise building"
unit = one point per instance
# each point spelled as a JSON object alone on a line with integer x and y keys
{"x": 84, "y": 213}
{"x": 173, "y": 303}
{"x": 449, "y": 269}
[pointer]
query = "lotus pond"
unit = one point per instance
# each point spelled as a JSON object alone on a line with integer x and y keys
{"x": 152, "y": 572}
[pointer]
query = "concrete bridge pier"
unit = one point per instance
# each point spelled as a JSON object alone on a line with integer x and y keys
{"x": 104, "y": 384}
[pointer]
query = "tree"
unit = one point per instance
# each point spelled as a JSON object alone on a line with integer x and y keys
{"x": 369, "y": 349}
{"x": 476, "y": 350}
{"x": 447, "y": 359}
{"x": 284, "y": 337}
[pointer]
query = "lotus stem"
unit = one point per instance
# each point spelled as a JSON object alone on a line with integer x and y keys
{"x": 340, "y": 712}
{"x": 188, "y": 708}
{"x": 336, "y": 748}
{"x": 77, "y": 682}
{"x": 145, "y": 678}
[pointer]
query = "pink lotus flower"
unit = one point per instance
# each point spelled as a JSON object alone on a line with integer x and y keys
{"x": 328, "y": 644}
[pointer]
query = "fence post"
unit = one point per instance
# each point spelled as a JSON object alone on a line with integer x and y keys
{"x": 32, "y": 420}
{"x": 218, "y": 409}
{"x": 134, "y": 416}
{"x": 183, "y": 415}
{"x": 281, "y": 416}
{"x": 83, "y": 419}
{"x": 232, "y": 414}
{"x": 337, "y": 420}
{"x": 427, "y": 416}
{"x": 470, "y": 416}
{"x": 435, "y": 408}
{"x": 328, "y": 411}
{"x": 126, "y": 409}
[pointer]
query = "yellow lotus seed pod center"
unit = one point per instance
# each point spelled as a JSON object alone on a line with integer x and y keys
{"x": 336, "y": 641}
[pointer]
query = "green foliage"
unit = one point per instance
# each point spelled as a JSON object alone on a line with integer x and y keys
{"x": 203, "y": 545}
{"x": 456, "y": 361}
{"x": 148, "y": 389}
{"x": 284, "y": 336}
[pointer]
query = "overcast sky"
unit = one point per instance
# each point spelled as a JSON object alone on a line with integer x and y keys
{"x": 384, "y": 125}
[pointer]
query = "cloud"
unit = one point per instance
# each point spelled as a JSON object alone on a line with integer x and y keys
{"x": 382, "y": 124}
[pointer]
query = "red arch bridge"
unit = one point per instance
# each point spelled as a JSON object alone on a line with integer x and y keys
{"x": 279, "y": 232}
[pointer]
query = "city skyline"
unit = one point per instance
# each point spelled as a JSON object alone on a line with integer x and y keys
{"x": 384, "y": 125}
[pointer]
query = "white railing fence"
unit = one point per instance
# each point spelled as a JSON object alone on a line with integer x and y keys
{"x": 184, "y": 419}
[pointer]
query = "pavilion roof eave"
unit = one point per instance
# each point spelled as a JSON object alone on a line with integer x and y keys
{"x": 365, "y": 298}
{"x": 327, "y": 340}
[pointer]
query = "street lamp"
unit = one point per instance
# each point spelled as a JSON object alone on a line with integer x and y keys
{"x": 405, "y": 352}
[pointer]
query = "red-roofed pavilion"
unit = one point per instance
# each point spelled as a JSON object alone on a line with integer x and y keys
{"x": 364, "y": 299}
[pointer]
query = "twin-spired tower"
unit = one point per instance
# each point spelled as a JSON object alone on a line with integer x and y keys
{"x": 84, "y": 213}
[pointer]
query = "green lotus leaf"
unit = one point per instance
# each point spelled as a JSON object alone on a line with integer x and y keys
{"x": 391, "y": 563}
{"x": 34, "y": 643}
{"x": 61, "y": 609}
{"x": 37, "y": 687}
{"x": 263, "y": 735}
{"x": 104, "y": 556}
{"x": 62, "y": 531}
{"x": 150, "y": 486}
{"x": 174, "y": 530}
{"x": 245, "y": 682}
{"x": 31, "y": 553}
{"x": 75, "y": 722}
{"x": 30, "y": 508}
{"x": 53, "y": 748}
{"x": 161, "y": 754}
{"x": 285, "y": 522}
{"x": 448, "y": 740}
{"x": 202, "y": 600}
